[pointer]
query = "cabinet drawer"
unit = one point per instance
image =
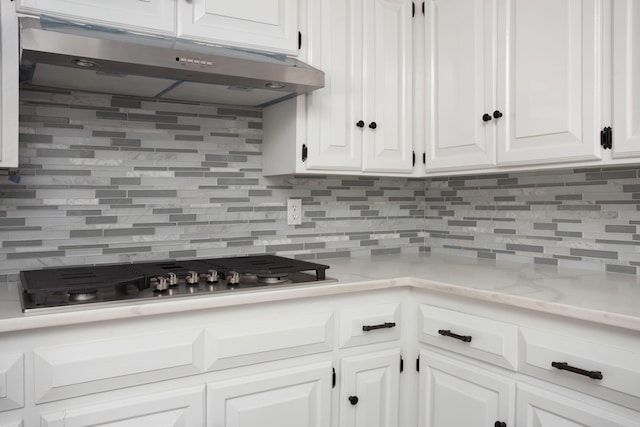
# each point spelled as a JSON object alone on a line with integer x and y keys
{"x": 618, "y": 367}
{"x": 369, "y": 324}
{"x": 473, "y": 336}
{"x": 277, "y": 335}
{"x": 11, "y": 381}
{"x": 88, "y": 367}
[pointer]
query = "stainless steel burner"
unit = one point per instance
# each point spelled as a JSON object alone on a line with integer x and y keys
{"x": 83, "y": 296}
{"x": 272, "y": 280}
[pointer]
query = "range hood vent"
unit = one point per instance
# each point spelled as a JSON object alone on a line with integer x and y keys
{"x": 73, "y": 56}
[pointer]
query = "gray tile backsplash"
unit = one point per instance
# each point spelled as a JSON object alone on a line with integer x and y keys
{"x": 108, "y": 179}
{"x": 585, "y": 218}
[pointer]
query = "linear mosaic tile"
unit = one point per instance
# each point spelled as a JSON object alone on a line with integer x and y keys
{"x": 136, "y": 179}
{"x": 584, "y": 218}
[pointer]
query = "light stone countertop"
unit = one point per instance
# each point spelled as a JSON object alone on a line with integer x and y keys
{"x": 606, "y": 298}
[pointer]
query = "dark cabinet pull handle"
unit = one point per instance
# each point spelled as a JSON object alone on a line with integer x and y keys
{"x": 500, "y": 424}
{"x": 353, "y": 400}
{"x": 360, "y": 124}
{"x": 486, "y": 117}
{"x": 368, "y": 328}
{"x": 373, "y": 125}
{"x": 564, "y": 366}
{"x": 497, "y": 114}
{"x": 448, "y": 333}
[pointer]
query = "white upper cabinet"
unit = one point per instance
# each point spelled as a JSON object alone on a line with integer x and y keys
{"x": 460, "y": 40}
{"x": 387, "y": 139}
{"x": 270, "y": 25}
{"x": 549, "y": 74}
{"x": 626, "y": 81}
{"x": 158, "y": 16}
{"x": 8, "y": 86}
{"x": 253, "y": 24}
{"x": 361, "y": 120}
{"x": 513, "y": 83}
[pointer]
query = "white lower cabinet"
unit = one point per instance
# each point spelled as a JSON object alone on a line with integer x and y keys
{"x": 179, "y": 408}
{"x": 369, "y": 389}
{"x": 11, "y": 381}
{"x": 538, "y": 407}
{"x": 296, "y": 397}
{"x": 455, "y": 393}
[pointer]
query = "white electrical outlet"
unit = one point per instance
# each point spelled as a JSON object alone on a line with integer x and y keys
{"x": 294, "y": 211}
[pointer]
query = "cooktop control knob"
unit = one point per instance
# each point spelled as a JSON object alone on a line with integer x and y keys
{"x": 192, "y": 278}
{"x": 233, "y": 278}
{"x": 212, "y": 277}
{"x": 161, "y": 284}
{"x": 173, "y": 279}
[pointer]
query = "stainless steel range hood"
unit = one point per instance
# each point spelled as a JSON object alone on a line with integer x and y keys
{"x": 79, "y": 57}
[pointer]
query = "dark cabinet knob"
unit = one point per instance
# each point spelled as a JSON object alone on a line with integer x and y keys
{"x": 360, "y": 124}
{"x": 353, "y": 400}
{"x": 373, "y": 125}
{"x": 486, "y": 117}
{"x": 500, "y": 424}
{"x": 497, "y": 114}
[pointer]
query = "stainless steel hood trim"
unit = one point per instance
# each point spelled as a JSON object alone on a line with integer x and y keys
{"x": 157, "y": 57}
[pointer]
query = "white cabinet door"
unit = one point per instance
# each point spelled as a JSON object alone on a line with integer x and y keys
{"x": 369, "y": 390}
{"x": 361, "y": 119}
{"x": 270, "y": 25}
{"x": 11, "y": 380}
{"x": 387, "y": 32}
{"x": 8, "y": 85}
{"x": 542, "y": 408}
{"x": 461, "y": 87}
{"x": 158, "y": 16}
{"x": 550, "y": 82}
{"x": 453, "y": 393}
{"x": 296, "y": 397}
{"x": 178, "y": 408}
{"x": 626, "y": 83}
{"x": 336, "y": 46}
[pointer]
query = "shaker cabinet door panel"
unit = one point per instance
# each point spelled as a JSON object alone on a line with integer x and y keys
{"x": 270, "y": 25}
{"x": 626, "y": 83}
{"x": 552, "y": 96}
{"x": 158, "y": 16}
{"x": 461, "y": 87}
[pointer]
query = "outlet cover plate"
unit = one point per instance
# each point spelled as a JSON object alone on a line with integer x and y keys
{"x": 294, "y": 211}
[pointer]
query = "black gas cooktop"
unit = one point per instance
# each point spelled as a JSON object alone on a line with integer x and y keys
{"x": 70, "y": 287}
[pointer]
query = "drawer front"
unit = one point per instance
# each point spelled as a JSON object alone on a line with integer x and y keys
{"x": 369, "y": 324}
{"x": 473, "y": 336}
{"x": 89, "y": 367}
{"x": 11, "y": 381}
{"x": 277, "y": 336}
{"x": 579, "y": 360}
